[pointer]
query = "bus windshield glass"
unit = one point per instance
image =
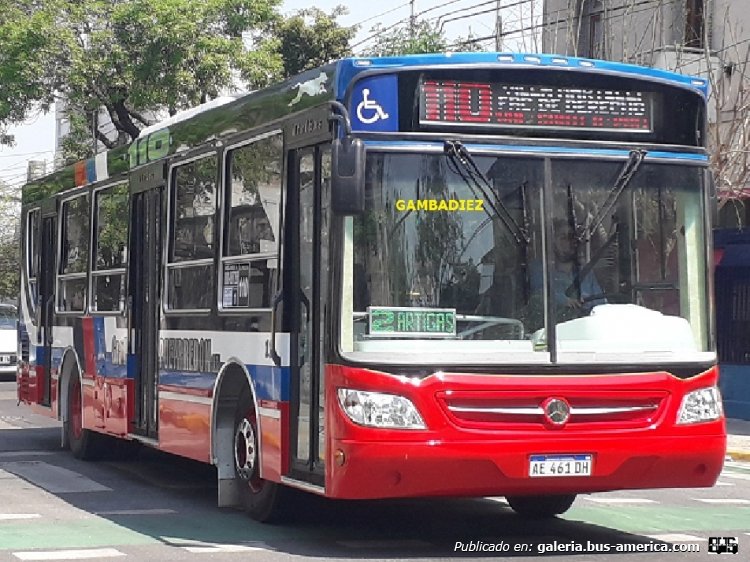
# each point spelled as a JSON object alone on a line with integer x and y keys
{"x": 445, "y": 268}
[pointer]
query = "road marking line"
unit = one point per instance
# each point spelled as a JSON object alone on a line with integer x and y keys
{"x": 6, "y": 425}
{"x": 722, "y": 500}
{"x": 724, "y": 484}
{"x": 15, "y": 516}
{"x": 52, "y": 478}
{"x": 201, "y": 547}
{"x": 676, "y": 537}
{"x": 498, "y": 500}
{"x": 221, "y": 548}
{"x": 620, "y": 500}
{"x": 136, "y": 512}
{"x": 736, "y": 475}
{"x": 69, "y": 554}
{"x": 13, "y": 454}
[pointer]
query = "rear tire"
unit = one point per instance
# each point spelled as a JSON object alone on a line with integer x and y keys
{"x": 540, "y": 506}
{"x": 84, "y": 444}
{"x": 260, "y": 498}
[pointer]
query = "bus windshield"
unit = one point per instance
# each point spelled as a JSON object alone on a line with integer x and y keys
{"x": 437, "y": 265}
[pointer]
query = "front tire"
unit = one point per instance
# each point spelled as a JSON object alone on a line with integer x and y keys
{"x": 260, "y": 498}
{"x": 84, "y": 443}
{"x": 540, "y": 506}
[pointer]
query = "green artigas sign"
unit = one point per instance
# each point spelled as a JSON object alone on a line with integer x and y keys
{"x": 411, "y": 322}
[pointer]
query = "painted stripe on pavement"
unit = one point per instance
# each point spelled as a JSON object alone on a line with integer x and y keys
{"x": 221, "y": 548}
{"x": 498, "y": 500}
{"x": 620, "y": 500}
{"x": 157, "y": 511}
{"x": 16, "y": 516}
{"x": 722, "y": 500}
{"x": 737, "y": 475}
{"x": 676, "y": 537}
{"x": 14, "y": 454}
{"x": 724, "y": 484}
{"x": 52, "y": 478}
{"x": 6, "y": 425}
{"x": 69, "y": 554}
{"x": 202, "y": 547}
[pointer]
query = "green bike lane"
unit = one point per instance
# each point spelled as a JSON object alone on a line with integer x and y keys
{"x": 34, "y": 519}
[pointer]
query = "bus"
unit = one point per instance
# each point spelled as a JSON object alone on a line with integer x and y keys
{"x": 462, "y": 275}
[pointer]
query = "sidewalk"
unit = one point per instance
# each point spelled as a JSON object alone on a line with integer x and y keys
{"x": 738, "y": 439}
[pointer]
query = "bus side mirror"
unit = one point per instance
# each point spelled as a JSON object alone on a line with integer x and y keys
{"x": 348, "y": 176}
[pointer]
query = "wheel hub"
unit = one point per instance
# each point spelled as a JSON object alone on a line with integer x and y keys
{"x": 244, "y": 450}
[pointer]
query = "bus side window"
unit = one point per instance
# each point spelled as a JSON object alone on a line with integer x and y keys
{"x": 192, "y": 235}
{"x": 74, "y": 254}
{"x": 253, "y": 194}
{"x": 32, "y": 256}
{"x": 110, "y": 241}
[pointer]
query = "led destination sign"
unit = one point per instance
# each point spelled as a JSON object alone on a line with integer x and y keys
{"x": 392, "y": 321}
{"x": 450, "y": 102}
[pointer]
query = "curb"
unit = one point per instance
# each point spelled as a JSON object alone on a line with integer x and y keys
{"x": 738, "y": 455}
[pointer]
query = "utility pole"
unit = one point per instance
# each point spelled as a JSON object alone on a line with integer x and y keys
{"x": 94, "y": 126}
{"x": 498, "y": 29}
{"x": 412, "y": 21}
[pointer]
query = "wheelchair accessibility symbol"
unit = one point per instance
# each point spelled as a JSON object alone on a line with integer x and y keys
{"x": 369, "y": 111}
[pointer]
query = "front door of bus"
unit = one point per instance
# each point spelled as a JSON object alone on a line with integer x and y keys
{"x": 308, "y": 206}
{"x": 46, "y": 307}
{"x": 145, "y": 282}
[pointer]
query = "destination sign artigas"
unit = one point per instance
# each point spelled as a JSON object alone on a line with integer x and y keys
{"x": 411, "y": 322}
{"x": 497, "y": 105}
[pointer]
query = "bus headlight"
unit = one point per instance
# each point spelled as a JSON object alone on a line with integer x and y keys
{"x": 701, "y": 405}
{"x": 377, "y": 409}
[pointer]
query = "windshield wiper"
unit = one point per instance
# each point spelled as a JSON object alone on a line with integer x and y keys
{"x": 626, "y": 174}
{"x": 463, "y": 165}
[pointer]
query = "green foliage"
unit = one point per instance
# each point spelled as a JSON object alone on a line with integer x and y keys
{"x": 304, "y": 45}
{"x": 30, "y": 54}
{"x": 135, "y": 58}
{"x": 422, "y": 37}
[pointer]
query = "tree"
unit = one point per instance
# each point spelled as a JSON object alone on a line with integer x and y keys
{"x": 304, "y": 46}
{"x": 130, "y": 57}
{"x": 421, "y": 37}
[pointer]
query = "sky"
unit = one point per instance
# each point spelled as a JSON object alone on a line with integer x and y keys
{"x": 35, "y": 139}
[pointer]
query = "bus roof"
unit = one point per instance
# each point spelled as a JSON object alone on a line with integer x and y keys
{"x": 227, "y": 115}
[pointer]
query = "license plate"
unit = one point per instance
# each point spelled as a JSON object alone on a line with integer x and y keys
{"x": 541, "y": 466}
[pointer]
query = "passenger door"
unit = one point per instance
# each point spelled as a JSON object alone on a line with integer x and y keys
{"x": 307, "y": 255}
{"x": 46, "y": 305}
{"x": 144, "y": 295}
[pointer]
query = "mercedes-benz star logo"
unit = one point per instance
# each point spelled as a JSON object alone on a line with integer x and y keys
{"x": 556, "y": 411}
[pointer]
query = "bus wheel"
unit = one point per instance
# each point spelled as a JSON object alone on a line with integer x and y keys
{"x": 84, "y": 443}
{"x": 260, "y": 498}
{"x": 540, "y": 506}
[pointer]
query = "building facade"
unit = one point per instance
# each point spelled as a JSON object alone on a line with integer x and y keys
{"x": 709, "y": 38}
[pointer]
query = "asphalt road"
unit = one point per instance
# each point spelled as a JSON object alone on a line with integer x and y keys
{"x": 158, "y": 507}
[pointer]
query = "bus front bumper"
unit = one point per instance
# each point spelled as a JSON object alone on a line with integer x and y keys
{"x": 367, "y": 470}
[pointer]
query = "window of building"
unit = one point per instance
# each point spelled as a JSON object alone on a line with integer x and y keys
{"x": 694, "y": 22}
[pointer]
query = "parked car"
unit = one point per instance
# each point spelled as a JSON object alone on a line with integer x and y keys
{"x": 8, "y": 339}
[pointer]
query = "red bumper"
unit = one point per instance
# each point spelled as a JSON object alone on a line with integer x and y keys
{"x": 466, "y": 457}
{"x": 497, "y": 468}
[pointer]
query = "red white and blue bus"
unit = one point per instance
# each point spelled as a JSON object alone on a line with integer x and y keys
{"x": 439, "y": 275}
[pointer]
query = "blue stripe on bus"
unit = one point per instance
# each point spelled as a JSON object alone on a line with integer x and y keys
{"x": 417, "y": 145}
{"x": 271, "y": 383}
{"x": 349, "y": 68}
